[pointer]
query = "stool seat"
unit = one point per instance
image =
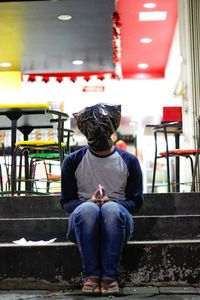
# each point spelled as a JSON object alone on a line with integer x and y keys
{"x": 183, "y": 152}
{"x": 38, "y": 143}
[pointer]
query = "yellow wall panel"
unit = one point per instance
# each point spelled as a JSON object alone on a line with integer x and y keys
{"x": 10, "y": 86}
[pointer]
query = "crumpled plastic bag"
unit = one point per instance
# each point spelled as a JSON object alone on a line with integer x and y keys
{"x": 97, "y": 123}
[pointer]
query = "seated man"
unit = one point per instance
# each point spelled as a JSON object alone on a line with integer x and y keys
{"x": 101, "y": 190}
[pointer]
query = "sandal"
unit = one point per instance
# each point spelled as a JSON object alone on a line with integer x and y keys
{"x": 109, "y": 287}
{"x": 91, "y": 286}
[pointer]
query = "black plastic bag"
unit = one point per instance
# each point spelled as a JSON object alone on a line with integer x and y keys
{"x": 97, "y": 123}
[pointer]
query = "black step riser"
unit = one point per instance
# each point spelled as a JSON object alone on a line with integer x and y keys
{"x": 146, "y": 228}
{"x": 48, "y": 206}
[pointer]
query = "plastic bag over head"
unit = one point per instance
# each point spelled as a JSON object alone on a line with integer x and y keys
{"x": 97, "y": 123}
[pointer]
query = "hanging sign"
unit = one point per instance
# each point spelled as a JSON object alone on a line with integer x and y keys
{"x": 93, "y": 88}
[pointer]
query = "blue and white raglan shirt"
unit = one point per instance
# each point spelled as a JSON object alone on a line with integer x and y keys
{"x": 118, "y": 172}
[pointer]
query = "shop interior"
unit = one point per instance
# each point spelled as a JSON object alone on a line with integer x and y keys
{"x": 105, "y": 71}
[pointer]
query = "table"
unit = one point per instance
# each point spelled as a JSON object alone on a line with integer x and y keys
{"x": 174, "y": 128}
{"x": 24, "y": 117}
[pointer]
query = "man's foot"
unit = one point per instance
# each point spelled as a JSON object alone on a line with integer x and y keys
{"x": 91, "y": 286}
{"x": 109, "y": 287}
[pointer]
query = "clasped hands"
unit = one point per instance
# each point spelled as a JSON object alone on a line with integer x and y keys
{"x": 99, "y": 196}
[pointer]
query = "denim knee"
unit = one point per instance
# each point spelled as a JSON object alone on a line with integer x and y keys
{"x": 116, "y": 216}
{"x": 111, "y": 210}
{"x": 87, "y": 212}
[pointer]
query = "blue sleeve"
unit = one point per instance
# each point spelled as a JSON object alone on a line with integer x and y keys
{"x": 69, "y": 192}
{"x": 134, "y": 187}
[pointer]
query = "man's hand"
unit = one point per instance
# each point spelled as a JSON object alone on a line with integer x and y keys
{"x": 99, "y": 200}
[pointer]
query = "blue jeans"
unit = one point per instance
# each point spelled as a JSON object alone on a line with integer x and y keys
{"x": 100, "y": 234}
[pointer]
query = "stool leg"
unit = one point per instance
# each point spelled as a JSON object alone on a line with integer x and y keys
{"x": 168, "y": 174}
{"x": 167, "y": 160}
{"x": 154, "y": 174}
{"x": 13, "y": 172}
{"x": 1, "y": 179}
{"x": 20, "y": 173}
{"x": 155, "y": 163}
{"x": 194, "y": 171}
{"x": 196, "y": 159}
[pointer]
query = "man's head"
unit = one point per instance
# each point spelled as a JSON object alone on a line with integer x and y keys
{"x": 97, "y": 123}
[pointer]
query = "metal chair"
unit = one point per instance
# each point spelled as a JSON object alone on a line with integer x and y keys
{"x": 5, "y": 170}
{"x": 41, "y": 148}
{"x": 165, "y": 129}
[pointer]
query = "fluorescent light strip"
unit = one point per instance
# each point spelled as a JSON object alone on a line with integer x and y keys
{"x": 152, "y": 16}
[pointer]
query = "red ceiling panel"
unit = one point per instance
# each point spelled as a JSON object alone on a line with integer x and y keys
{"x": 134, "y": 52}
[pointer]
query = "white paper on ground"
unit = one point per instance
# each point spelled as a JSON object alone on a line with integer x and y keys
{"x": 24, "y": 242}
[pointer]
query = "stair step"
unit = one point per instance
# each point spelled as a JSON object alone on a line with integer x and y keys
{"x": 171, "y": 204}
{"x": 169, "y": 262}
{"x": 163, "y": 251}
{"x": 48, "y": 206}
{"x": 146, "y": 228}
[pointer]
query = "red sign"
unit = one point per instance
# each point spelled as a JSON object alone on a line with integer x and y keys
{"x": 93, "y": 88}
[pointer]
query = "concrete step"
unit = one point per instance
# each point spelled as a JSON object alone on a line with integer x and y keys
{"x": 166, "y": 263}
{"x": 171, "y": 204}
{"x": 163, "y": 251}
{"x": 146, "y": 228}
{"x": 49, "y": 206}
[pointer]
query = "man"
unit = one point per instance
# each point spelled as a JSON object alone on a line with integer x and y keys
{"x": 117, "y": 140}
{"x": 101, "y": 190}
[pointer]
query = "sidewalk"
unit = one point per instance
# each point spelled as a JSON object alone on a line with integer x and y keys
{"x": 128, "y": 293}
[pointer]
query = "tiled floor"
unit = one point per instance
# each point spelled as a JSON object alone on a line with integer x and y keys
{"x": 157, "y": 293}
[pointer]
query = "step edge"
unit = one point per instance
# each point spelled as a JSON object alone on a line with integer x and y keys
{"x": 150, "y": 242}
{"x": 66, "y": 218}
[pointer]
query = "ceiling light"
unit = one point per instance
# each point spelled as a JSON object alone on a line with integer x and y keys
{"x": 77, "y": 62}
{"x": 143, "y": 66}
{"x": 153, "y": 16}
{"x": 5, "y": 64}
{"x": 145, "y": 40}
{"x": 64, "y": 17}
{"x": 149, "y": 5}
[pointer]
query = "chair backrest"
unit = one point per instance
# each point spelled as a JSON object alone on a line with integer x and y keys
{"x": 62, "y": 132}
{"x": 172, "y": 114}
